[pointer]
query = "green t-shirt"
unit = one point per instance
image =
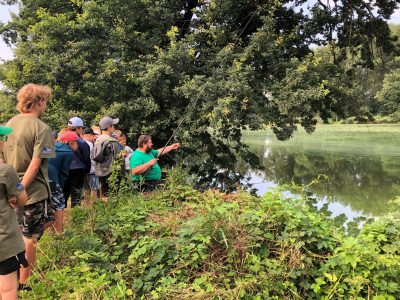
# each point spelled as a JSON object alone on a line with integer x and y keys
{"x": 139, "y": 158}
{"x": 11, "y": 241}
{"x": 30, "y": 138}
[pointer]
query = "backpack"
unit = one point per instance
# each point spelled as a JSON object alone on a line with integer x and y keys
{"x": 101, "y": 152}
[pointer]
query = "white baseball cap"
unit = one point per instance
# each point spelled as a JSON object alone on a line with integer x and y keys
{"x": 76, "y": 122}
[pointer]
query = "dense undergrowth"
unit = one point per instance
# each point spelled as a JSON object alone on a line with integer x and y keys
{"x": 183, "y": 244}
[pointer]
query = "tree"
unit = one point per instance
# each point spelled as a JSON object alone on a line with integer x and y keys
{"x": 389, "y": 95}
{"x": 247, "y": 63}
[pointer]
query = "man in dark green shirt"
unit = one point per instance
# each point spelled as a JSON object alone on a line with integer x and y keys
{"x": 12, "y": 247}
{"x": 144, "y": 167}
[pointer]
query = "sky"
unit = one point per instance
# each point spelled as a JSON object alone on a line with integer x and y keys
{"x": 5, "y": 11}
{"x": 5, "y": 51}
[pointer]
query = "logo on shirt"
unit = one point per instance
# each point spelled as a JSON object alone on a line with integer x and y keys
{"x": 19, "y": 186}
{"x": 47, "y": 150}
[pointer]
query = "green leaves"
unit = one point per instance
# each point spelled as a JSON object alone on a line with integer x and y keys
{"x": 389, "y": 95}
{"x": 231, "y": 246}
{"x": 245, "y": 65}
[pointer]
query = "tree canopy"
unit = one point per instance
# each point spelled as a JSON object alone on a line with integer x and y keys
{"x": 240, "y": 63}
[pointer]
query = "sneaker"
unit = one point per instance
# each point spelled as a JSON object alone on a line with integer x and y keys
{"x": 23, "y": 287}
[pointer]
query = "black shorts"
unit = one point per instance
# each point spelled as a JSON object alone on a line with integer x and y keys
{"x": 91, "y": 182}
{"x": 13, "y": 263}
{"x": 105, "y": 185}
{"x": 148, "y": 185}
{"x": 32, "y": 217}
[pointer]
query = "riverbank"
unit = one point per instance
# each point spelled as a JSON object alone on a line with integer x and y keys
{"x": 182, "y": 244}
{"x": 363, "y": 139}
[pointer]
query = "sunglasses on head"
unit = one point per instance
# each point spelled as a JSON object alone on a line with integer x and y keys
{"x": 3, "y": 138}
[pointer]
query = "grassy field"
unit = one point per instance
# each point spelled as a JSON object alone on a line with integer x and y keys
{"x": 343, "y": 138}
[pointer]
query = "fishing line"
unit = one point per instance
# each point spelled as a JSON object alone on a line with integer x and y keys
{"x": 191, "y": 106}
{"x": 194, "y": 102}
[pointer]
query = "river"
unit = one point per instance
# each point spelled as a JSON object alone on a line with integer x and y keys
{"x": 360, "y": 165}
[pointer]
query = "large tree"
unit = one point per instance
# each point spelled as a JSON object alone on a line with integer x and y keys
{"x": 234, "y": 63}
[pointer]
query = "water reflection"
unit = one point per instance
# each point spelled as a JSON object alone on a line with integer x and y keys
{"x": 363, "y": 183}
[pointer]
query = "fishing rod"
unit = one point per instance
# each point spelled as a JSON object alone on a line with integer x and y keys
{"x": 194, "y": 102}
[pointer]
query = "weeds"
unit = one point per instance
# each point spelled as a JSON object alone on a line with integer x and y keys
{"x": 181, "y": 244}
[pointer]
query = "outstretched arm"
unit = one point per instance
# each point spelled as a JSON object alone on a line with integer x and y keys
{"x": 169, "y": 148}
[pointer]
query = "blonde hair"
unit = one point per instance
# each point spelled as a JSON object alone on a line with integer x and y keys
{"x": 60, "y": 133}
{"x": 30, "y": 95}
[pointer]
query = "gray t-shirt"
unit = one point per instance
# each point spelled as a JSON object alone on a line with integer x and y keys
{"x": 129, "y": 152}
{"x": 92, "y": 163}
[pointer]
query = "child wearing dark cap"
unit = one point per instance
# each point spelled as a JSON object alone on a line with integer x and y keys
{"x": 91, "y": 183}
{"x": 12, "y": 247}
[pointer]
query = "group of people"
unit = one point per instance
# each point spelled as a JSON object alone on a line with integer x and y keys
{"x": 41, "y": 169}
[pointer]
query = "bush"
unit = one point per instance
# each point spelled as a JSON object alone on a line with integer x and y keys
{"x": 179, "y": 244}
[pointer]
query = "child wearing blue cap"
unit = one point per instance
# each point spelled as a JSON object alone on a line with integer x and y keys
{"x": 12, "y": 250}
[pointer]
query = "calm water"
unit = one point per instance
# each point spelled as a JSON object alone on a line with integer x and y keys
{"x": 362, "y": 165}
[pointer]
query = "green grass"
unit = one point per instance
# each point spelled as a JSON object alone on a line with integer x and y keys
{"x": 341, "y": 138}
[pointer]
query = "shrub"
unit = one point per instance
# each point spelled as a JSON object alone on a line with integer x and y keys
{"x": 179, "y": 243}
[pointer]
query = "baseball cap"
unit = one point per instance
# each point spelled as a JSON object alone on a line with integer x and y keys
{"x": 107, "y": 122}
{"x": 96, "y": 130}
{"x": 68, "y": 136}
{"x": 5, "y": 130}
{"x": 76, "y": 122}
{"x": 88, "y": 130}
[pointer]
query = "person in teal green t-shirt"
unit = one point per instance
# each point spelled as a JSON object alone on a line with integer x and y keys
{"x": 143, "y": 162}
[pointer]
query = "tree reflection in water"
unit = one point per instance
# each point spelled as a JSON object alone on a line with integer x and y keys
{"x": 365, "y": 183}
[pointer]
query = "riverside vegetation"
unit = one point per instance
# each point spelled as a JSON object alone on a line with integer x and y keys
{"x": 180, "y": 243}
